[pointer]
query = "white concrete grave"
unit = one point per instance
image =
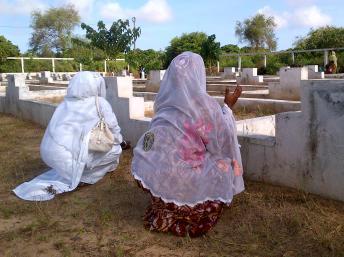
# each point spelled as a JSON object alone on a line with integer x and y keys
{"x": 290, "y": 82}
{"x": 155, "y": 77}
{"x": 306, "y": 151}
{"x": 313, "y": 72}
{"x": 229, "y": 73}
{"x": 249, "y": 76}
{"x": 45, "y": 78}
{"x": 21, "y": 102}
{"x": 129, "y": 110}
{"x": 66, "y": 77}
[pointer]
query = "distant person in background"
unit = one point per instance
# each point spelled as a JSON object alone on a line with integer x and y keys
{"x": 65, "y": 145}
{"x": 331, "y": 68}
{"x": 189, "y": 160}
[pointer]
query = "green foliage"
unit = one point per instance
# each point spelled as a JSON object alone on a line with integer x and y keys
{"x": 230, "y": 49}
{"x": 83, "y": 52}
{"x": 52, "y": 30}
{"x": 8, "y": 49}
{"x": 147, "y": 59}
{"x": 187, "y": 42}
{"x": 210, "y": 51}
{"x": 114, "y": 41}
{"x": 325, "y": 37}
{"x": 258, "y": 31}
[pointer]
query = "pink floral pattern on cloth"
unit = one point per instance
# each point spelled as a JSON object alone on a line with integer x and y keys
{"x": 194, "y": 141}
{"x": 222, "y": 165}
{"x": 237, "y": 168}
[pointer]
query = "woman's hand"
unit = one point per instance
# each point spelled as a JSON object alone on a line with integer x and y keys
{"x": 231, "y": 99}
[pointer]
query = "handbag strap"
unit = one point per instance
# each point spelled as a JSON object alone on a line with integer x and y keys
{"x": 98, "y": 109}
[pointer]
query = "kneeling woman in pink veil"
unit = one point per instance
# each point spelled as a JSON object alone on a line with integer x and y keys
{"x": 189, "y": 160}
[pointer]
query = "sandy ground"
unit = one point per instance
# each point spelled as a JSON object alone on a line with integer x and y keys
{"x": 106, "y": 219}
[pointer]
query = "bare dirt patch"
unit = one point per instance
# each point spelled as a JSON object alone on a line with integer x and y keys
{"x": 106, "y": 219}
{"x": 51, "y": 100}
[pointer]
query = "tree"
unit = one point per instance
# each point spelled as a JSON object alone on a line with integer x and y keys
{"x": 210, "y": 51}
{"x": 230, "y": 48}
{"x": 258, "y": 31}
{"x": 325, "y": 37}
{"x": 147, "y": 59}
{"x": 52, "y": 30}
{"x": 187, "y": 42}
{"x": 83, "y": 52}
{"x": 8, "y": 49}
{"x": 118, "y": 39}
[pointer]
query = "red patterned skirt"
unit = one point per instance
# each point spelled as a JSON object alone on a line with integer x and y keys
{"x": 182, "y": 220}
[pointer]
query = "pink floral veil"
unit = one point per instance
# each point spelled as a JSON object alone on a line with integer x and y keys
{"x": 190, "y": 153}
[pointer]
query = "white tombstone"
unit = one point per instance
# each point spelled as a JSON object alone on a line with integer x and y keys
{"x": 3, "y": 76}
{"x": 45, "y": 77}
{"x": 155, "y": 77}
{"x": 229, "y": 73}
{"x": 290, "y": 83}
{"x": 313, "y": 72}
{"x": 66, "y": 77}
{"x": 249, "y": 76}
{"x": 124, "y": 73}
{"x": 29, "y": 76}
{"x": 129, "y": 109}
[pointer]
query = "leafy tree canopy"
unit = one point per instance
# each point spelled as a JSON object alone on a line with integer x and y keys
{"x": 52, "y": 29}
{"x": 147, "y": 59}
{"x": 258, "y": 31}
{"x": 83, "y": 52}
{"x": 230, "y": 48}
{"x": 325, "y": 37}
{"x": 186, "y": 42}
{"x": 116, "y": 40}
{"x": 210, "y": 51}
{"x": 8, "y": 49}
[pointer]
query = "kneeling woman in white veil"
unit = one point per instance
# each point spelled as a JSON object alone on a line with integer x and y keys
{"x": 66, "y": 142}
{"x": 189, "y": 160}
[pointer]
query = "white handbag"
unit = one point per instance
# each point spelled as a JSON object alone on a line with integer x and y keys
{"x": 101, "y": 138}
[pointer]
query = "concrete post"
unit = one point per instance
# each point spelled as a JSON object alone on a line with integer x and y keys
{"x": 22, "y": 64}
{"x": 293, "y": 57}
{"x": 105, "y": 70}
{"x": 325, "y": 57}
{"x": 239, "y": 62}
{"x": 80, "y": 65}
{"x": 218, "y": 67}
{"x": 53, "y": 64}
{"x": 265, "y": 61}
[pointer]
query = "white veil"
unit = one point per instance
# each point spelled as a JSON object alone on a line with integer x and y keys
{"x": 64, "y": 147}
{"x": 191, "y": 153}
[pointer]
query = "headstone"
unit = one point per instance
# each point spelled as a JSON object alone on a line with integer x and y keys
{"x": 45, "y": 77}
{"x": 229, "y": 73}
{"x": 155, "y": 77}
{"x": 290, "y": 83}
{"x": 249, "y": 76}
{"x": 29, "y": 76}
{"x": 313, "y": 72}
{"x": 66, "y": 77}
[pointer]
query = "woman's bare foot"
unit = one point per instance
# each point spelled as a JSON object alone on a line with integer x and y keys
{"x": 231, "y": 99}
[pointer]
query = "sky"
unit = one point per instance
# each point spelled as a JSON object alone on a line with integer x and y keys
{"x": 161, "y": 20}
